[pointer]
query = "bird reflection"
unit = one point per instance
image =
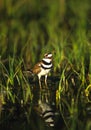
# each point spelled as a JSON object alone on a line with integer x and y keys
{"x": 45, "y": 104}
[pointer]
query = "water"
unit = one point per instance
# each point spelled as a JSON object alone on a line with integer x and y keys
{"x": 44, "y": 103}
{"x": 32, "y": 116}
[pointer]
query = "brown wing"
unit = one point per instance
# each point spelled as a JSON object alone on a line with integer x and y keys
{"x": 37, "y": 68}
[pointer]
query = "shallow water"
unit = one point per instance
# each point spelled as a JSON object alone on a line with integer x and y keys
{"x": 30, "y": 116}
{"x": 26, "y": 117}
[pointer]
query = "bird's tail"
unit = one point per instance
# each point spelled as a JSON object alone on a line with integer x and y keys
{"x": 30, "y": 72}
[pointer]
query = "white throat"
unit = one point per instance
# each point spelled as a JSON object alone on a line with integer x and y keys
{"x": 47, "y": 60}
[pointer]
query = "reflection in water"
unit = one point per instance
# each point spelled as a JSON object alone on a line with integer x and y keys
{"x": 40, "y": 114}
{"x": 45, "y": 104}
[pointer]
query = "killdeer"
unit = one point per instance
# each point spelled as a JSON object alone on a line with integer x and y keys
{"x": 43, "y": 67}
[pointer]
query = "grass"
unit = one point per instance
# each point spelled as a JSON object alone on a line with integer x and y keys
{"x": 29, "y": 29}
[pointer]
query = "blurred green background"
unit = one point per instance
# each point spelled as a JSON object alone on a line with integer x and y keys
{"x": 30, "y": 28}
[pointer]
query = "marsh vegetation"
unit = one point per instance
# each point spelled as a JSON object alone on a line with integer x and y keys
{"x": 29, "y": 29}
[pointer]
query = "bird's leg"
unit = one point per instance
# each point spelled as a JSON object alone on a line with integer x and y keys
{"x": 46, "y": 80}
{"x": 40, "y": 82}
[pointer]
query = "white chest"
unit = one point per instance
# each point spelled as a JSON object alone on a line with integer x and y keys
{"x": 43, "y": 72}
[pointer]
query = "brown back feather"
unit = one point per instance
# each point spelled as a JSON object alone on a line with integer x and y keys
{"x": 37, "y": 68}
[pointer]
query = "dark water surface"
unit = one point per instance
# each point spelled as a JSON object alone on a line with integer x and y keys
{"x": 32, "y": 115}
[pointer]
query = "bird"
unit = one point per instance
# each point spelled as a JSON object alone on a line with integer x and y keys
{"x": 43, "y": 67}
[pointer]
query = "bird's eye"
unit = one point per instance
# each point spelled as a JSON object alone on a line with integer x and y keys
{"x": 48, "y": 55}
